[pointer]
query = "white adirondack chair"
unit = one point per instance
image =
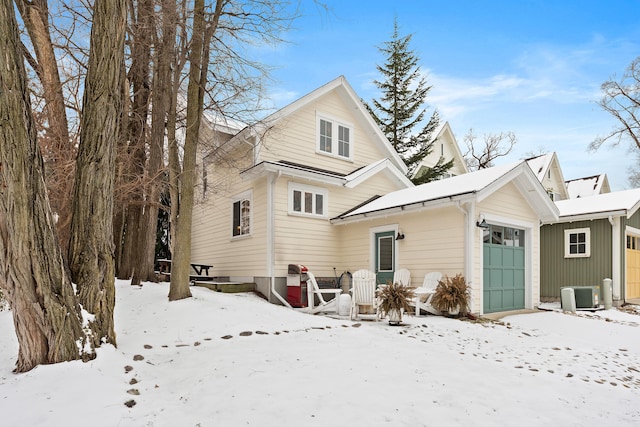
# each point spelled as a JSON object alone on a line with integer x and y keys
{"x": 402, "y": 277}
{"x": 364, "y": 294}
{"x": 325, "y": 306}
{"x": 424, "y": 294}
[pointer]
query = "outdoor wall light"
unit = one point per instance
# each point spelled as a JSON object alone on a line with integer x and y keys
{"x": 482, "y": 223}
{"x": 400, "y": 236}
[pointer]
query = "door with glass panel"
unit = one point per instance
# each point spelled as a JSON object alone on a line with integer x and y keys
{"x": 385, "y": 256}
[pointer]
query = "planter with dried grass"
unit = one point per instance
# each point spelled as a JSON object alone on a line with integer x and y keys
{"x": 394, "y": 300}
{"x": 452, "y": 295}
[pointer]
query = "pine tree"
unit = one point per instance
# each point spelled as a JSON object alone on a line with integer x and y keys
{"x": 400, "y": 110}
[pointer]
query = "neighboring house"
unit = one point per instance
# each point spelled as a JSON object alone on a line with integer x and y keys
{"x": 595, "y": 237}
{"x": 589, "y": 186}
{"x": 548, "y": 171}
{"x": 445, "y": 146}
{"x": 318, "y": 184}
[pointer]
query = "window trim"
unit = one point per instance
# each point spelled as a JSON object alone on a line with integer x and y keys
{"x": 315, "y": 191}
{"x": 247, "y": 195}
{"x": 567, "y": 242}
{"x": 335, "y": 135}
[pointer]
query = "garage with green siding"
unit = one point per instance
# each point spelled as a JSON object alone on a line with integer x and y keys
{"x": 503, "y": 269}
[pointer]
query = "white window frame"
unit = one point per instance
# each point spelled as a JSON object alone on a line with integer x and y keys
{"x": 248, "y": 196}
{"x": 567, "y": 242}
{"x": 335, "y": 133}
{"x": 315, "y": 191}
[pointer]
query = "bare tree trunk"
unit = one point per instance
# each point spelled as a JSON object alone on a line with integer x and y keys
{"x": 91, "y": 247}
{"x": 140, "y": 60}
{"x": 46, "y": 316}
{"x": 181, "y": 265}
{"x": 161, "y": 98}
{"x": 175, "y": 169}
{"x": 60, "y": 152}
{"x": 120, "y": 212}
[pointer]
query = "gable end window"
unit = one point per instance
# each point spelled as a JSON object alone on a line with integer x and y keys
{"x": 241, "y": 225}
{"x": 307, "y": 200}
{"x": 335, "y": 138}
{"x": 577, "y": 243}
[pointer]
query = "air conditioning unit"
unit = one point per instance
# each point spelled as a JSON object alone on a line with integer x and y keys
{"x": 587, "y": 297}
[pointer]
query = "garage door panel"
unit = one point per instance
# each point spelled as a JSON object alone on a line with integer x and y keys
{"x": 519, "y": 257}
{"x": 507, "y": 279}
{"x": 507, "y": 258}
{"x": 495, "y": 278}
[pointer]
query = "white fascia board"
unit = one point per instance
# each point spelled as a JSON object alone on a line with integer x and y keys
{"x": 404, "y": 209}
{"x": 355, "y": 179}
{"x": 265, "y": 168}
{"x": 377, "y": 134}
{"x": 633, "y": 209}
{"x": 588, "y": 216}
{"x": 499, "y": 182}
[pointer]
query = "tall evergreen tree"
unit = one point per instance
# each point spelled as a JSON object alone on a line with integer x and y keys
{"x": 399, "y": 111}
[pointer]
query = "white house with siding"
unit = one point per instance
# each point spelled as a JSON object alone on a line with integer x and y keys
{"x": 318, "y": 184}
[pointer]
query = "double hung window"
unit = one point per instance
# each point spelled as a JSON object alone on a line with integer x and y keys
{"x": 241, "y": 215}
{"x": 335, "y": 138}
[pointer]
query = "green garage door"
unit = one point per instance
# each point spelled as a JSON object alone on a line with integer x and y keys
{"x": 504, "y": 260}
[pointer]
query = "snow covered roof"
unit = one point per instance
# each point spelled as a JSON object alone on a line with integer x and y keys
{"x": 476, "y": 185}
{"x": 223, "y": 124}
{"x": 619, "y": 203}
{"x": 539, "y": 165}
{"x": 588, "y": 186}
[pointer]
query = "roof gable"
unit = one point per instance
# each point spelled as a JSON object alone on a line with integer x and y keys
{"x": 347, "y": 95}
{"x": 445, "y": 145}
{"x": 547, "y": 170}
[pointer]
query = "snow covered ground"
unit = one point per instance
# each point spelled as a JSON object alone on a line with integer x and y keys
{"x": 235, "y": 360}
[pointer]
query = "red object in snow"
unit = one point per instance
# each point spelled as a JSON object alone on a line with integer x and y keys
{"x": 297, "y": 285}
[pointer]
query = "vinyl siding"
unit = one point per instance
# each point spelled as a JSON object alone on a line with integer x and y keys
{"x": 315, "y": 242}
{"x": 434, "y": 241}
{"x": 211, "y": 236}
{"x": 294, "y": 138}
{"x": 557, "y": 271}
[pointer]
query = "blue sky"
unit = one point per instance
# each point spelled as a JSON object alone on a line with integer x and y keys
{"x": 530, "y": 67}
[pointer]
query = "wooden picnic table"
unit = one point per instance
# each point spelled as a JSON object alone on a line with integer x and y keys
{"x": 164, "y": 266}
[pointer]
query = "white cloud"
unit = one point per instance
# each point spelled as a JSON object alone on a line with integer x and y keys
{"x": 281, "y": 97}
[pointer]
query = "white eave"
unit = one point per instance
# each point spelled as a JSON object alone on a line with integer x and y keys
{"x": 294, "y": 171}
{"x": 361, "y": 175}
{"x": 320, "y": 176}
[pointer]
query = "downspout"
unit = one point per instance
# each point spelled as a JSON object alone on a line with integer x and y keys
{"x": 616, "y": 257}
{"x": 469, "y": 246}
{"x": 271, "y": 184}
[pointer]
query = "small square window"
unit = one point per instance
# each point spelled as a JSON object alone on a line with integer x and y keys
{"x": 577, "y": 243}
